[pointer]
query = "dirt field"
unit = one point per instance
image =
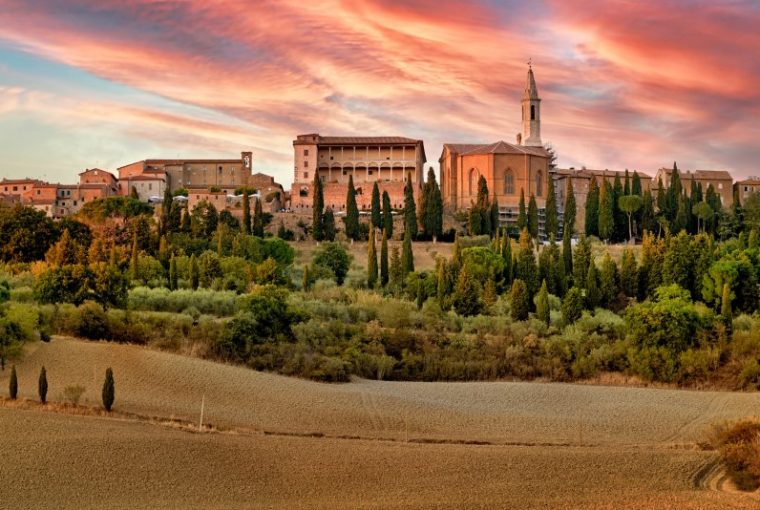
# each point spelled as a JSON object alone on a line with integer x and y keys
{"x": 538, "y": 445}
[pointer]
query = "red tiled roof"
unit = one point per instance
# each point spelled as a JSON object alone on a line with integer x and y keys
{"x": 500, "y": 147}
{"x": 585, "y": 172}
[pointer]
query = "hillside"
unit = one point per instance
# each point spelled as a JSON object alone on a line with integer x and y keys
{"x": 568, "y": 446}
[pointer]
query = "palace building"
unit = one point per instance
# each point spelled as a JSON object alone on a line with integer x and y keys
{"x": 509, "y": 169}
{"x": 389, "y": 161}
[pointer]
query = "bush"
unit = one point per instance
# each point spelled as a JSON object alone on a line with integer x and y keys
{"x": 221, "y": 303}
{"x": 92, "y": 322}
{"x": 73, "y": 393}
{"x": 739, "y": 447}
{"x": 749, "y": 377}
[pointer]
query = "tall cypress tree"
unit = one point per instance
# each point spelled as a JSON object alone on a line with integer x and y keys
{"x": 606, "y": 212}
{"x": 387, "y": 215}
{"x": 636, "y": 184}
{"x": 410, "y": 209}
{"x": 328, "y": 225}
{"x": 431, "y": 207}
{"x": 371, "y": 259}
{"x": 620, "y": 230}
{"x": 384, "y": 260}
{"x": 377, "y": 216}
{"x": 257, "y": 227}
{"x": 506, "y": 255}
{"x": 522, "y": 218}
{"x": 42, "y": 385}
{"x": 494, "y": 213}
{"x": 570, "y": 208}
{"x": 542, "y": 304}
{"x": 551, "y": 226}
{"x": 317, "y": 213}
{"x": 526, "y": 269}
{"x": 533, "y": 217}
{"x": 246, "y": 212}
{"x": 166, "y": 212}
{"x": 173, "y": 273}
{"x": 194, "y": 272}
{"x": 592, "y": 208}
{"x": 593, "y": 294}
{"x": 352, "y": 211}
{"x": 627, "y": 184}
{"x": 407, "y": 255}
{"x": 567, "y": 257}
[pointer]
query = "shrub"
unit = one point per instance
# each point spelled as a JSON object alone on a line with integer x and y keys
{"x": 73, "y": 393}
{"x": 749, "y": 377}
{"x": 92, "y": 322}
{"x": 109, "y": 390}
{"x": 739, "y": 447}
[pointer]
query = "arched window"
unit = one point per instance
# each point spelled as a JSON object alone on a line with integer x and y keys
{"x": 473, "y": 181}
{"x": 509, "y": 182}
{"x": 539, "y": 184}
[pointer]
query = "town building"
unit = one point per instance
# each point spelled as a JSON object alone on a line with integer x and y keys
{"x": 747, "y": 187}
{"x": 509, "y": 169}
{"x": 581, "y": 180}
{"x": 721, "y": 181}
{"x": 389, "y": 161}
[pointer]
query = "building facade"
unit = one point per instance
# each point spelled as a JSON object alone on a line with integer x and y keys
{"x": 388, "y": 161}
{"x": 509, "y": 169}
{"x": 747, "y": 187}
{"x": 721, "y": 181}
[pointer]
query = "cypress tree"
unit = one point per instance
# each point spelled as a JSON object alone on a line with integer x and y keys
{"x": 570, "y": 208}
{"x": 551, "y": 225}
{"x": 581, "y": 260}
{"x": 371, "y": 259}
{"x": 494, "y": 216}
{"x": 506, "y": 256}
{"x": 542, "y": 304}
{"x": 410, "y": 209}
{"x": 674, "y": 192}
{"x": 608, "y": 281}
{"x": 442, "y": 286}
{"x": 606, "y": 212}
{"x": 593, "y": 294}
{"x": 172, "y": 273}
{"x": 420, "y": 295}
{"x": 13, "y": 384}
{"x": 431, "y": 208}
{"x": 737, "y": 212}
{"x": 186, "y": 225}
{"x": 257, "y": 227}
{"x": 166, "y": 212}
{"x": 306, "y": 279}
{"x": 662, "y": 198}
{"x": 377, "y": 215}
{"x": 407, "y": 255}
{"x": 489, "y": 294}
{"x": 522, "y": 218}
{"x": 572, "y": 306}
{"x": 620, "y": 225}
{"x": 317, "y": 210}
{"x": 109, "y": 390}
{"x": 474, "y": 220}
{"x": 636, "y": 184}
{"x": 396, "y": 271}
{"x": 725, "y": 304}
{"x": 384, "y": 260}
{"x": 328, "y": 225}
{"x": 352, "y": 212}
{"x": 646, "y": 214}
{"x": 592, "y": 209}
{"x": 466, "y": 296}
{"x": 246, "y": 212}
{"x": 194, "y": 273}
{"x": 175, "y": 218}
{"x": 628, "y": 271}
{"x": 681, "y": 220}
{"x": 519, "y": 301}
{"x": 526, "y": 265}
{"x": 567, "y": 257}
{"x": 387, "y": 215}
{"x": 533, "y": 217}
{"x": 134, "y": 271}
{"x": 42, "y": 385}
{"x": 627, "y": 184}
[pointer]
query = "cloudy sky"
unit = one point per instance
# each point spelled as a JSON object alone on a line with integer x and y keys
{"x": 625, "y": 84}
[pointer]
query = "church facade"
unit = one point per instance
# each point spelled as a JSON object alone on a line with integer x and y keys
{"x": 509, "y": 169}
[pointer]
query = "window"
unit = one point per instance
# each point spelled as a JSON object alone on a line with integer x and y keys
{"x": 720, "y": 185}
{"x": 509, "y": 182}
{"x": 306, "y": 164}
{"x": 532, "y": 112}
{"x": 306, "y": 152}
{"x": 539, "y": 184}
{"x": 38, "y": 191}
{"x": 473, "y": 181}
{"x": 306, "y": 175}
{"x": 150, "y": 185}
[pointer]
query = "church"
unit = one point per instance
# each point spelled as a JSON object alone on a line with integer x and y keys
{"x": 508, "y": 168}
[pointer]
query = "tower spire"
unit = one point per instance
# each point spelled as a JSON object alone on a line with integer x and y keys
{"x": 531, "y": 111}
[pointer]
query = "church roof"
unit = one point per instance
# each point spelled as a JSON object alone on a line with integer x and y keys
{"x": 500, "y": 147}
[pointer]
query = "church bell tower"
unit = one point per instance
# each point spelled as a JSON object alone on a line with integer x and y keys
{"x": 531, "y": 113}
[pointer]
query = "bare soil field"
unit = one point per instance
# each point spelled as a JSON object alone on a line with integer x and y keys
{"x": 379, "y": 444}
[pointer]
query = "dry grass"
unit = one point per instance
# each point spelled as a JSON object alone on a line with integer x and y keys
{"x": 739, "y": 446}
{"x": 449, "y": 445}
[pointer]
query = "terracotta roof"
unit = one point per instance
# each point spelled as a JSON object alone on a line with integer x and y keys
{"x": 751, "y": 180}
{"x": 585, "y": 172}
{"x": 180, "y": 162}
{"x": 21, "y": 181}
{"x": 500, "y": 147}
{"x": 143, "y": 177}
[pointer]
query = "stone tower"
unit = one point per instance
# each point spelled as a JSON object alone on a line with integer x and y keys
{"x": 531, "y": 113}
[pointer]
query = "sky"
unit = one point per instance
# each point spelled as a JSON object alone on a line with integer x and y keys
{"x": 624, "y": 84}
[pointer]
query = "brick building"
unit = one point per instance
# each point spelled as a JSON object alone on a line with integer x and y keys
{"x": 388, "y": 160}
{"x": 509, "y": 169}
{"x": 721, "y": 181}
{"x": 747, "y": 187}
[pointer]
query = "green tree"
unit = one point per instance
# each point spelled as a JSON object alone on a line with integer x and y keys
{"x": 494, "y": 216}
{"x": 628, "y": 270}
{"x": 630, "y": 204}
{"x": 109, "y": 390}
{"x": 42, "y": 385}
{"x": 246, "y": 213}
{"x": 606, "y": 212}
{"x": 407, "y": 256}
{"x": 506, "y": 256}
{"x": 173, "y": 273}
{"x": 396, "y": 274}
{"x": 526, "y": 269}
{"x": 582, "y": 258}
{"x": 522, "y": 218}
{"x": 371, "y": 259}
{"x": 572, "y": 306}
{"x": 410, "y": 209}
{"x": 466, "y": 297}
{"x": 134, "y": 267}
{"x": 351, "y": 219}
{"x": 194, "y": 273}
{"x": 570, "y": 208}
{"x": 567, "y": 256}
{"x": 551, "y": 225}
{"x": 257, "y": 225}
{"x": 519, "y": 301}
{"x": 609, "y": 281}
{"x": 533, "y": 217}
{"x": 66, "y": 284}
{"x": 593, "y": 293}
{"x": 542, "y": 304}
{"x": 619, "y": 219}
{"x": 646, "y": 216}
{"x": 725, "y": 303}
{"x": 431, "y": 207}
{"x": 328, "y": 225}
{"x": 335, "y": 258}
{"x": 13, "y": 384}
{"x": 317, "y": 210}
{"x": 704, "y": 213}
{"x": 377, "y": 216}
{"x": 306, "y": 279}
{"x": 65, "y": 252}
{"x": 384, "y": 260}
{"x": 592, "y": 209}
{"x": 387, "y": 215}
